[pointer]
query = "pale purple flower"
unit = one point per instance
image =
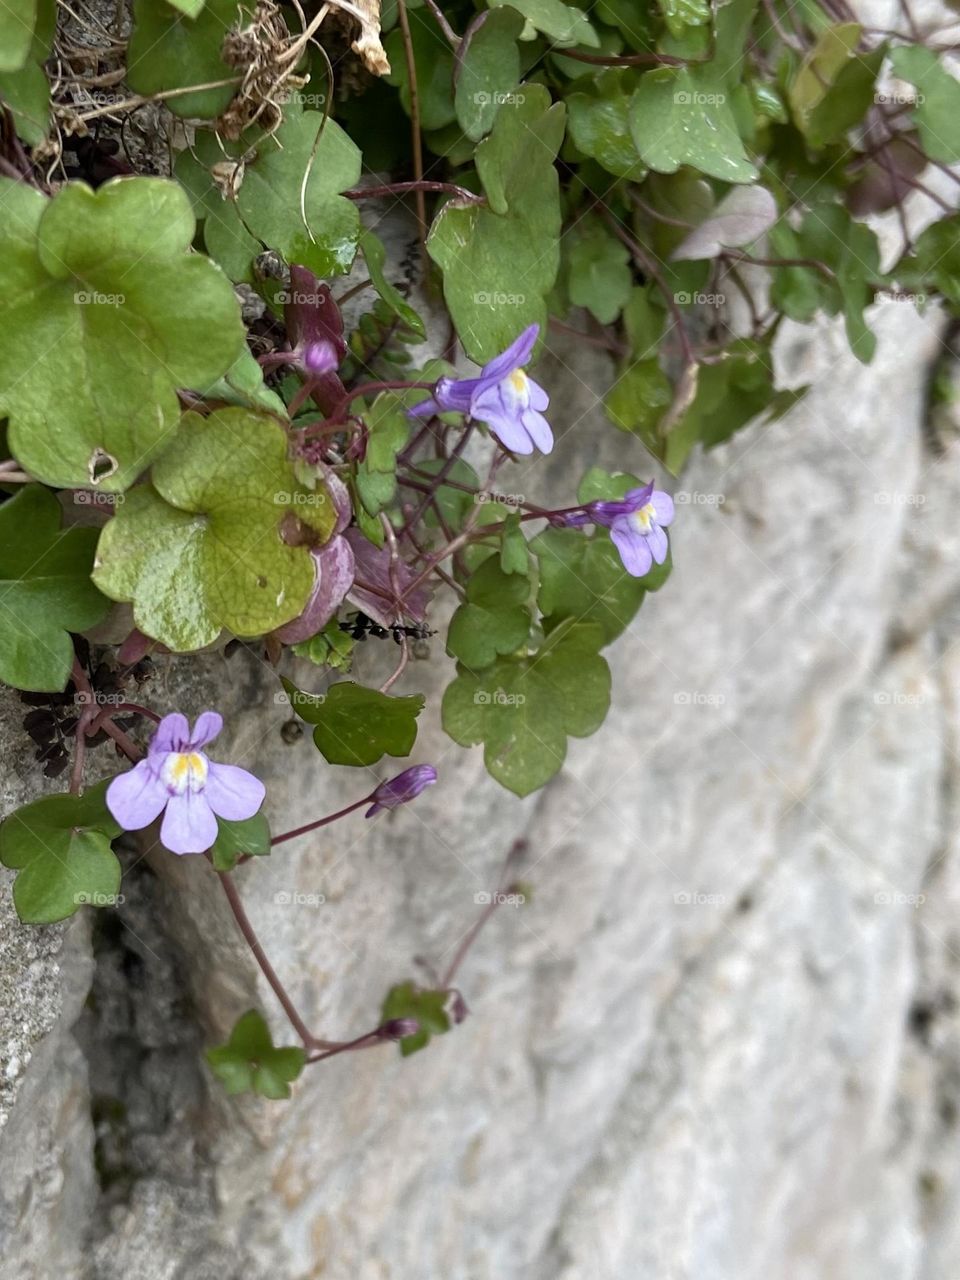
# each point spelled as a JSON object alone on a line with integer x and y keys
{"x": 405, "y": 786}
{"x": 502, "y": 396}
{"x": 320, "y": 357}
{"x": 176, "y": 776}
{"x": 636, "y": 523}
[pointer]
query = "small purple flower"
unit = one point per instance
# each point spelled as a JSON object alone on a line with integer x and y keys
{"x": 405, "y": 786}
{"x": 502, "y": 396}
{"x": 636, "y": 523}
{"x": 320, "y": 357}
{"x": 177, "y": 777}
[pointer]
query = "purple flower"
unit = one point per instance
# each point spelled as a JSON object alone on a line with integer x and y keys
{"x": 405, "y": 786}
{"x": 320, "y": 357}
{"x": 177, "y": 777}
{"x": 503, "y": 397}
{"x": 636, "y": 523}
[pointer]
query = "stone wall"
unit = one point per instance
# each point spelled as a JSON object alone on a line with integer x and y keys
{"x": 721, "y": 1043}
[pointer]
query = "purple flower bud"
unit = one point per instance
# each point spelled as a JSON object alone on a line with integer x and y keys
{"x": 320, "y": 357}
{"x": 571, "y": 519}
{"x": 458, "y": 1008}
{"x": 398, "y": 1029}
{"x": 405, "y": 786}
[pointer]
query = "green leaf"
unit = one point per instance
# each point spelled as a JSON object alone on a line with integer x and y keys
{"x": 225, "y": 238}
{"x": 407, "y": 1000}
{"x": 452, "y": 504}
{"x": 374, "y": 255}
{"x": 202, "y": 548}
{"x": 563, "y": 24}
{"x": 599, "y": 274}
{"x": 834, "y": 86}
{"x": 638, "y": 400}
{"x": 249, "y": 1062}
{"x": 60, "y": 846}
{"x": 523, "y": 709}
{"x": 45, "y": 591}
{"x": 389, "y": 430}
{"x": 190, "y": 7}
{"x": 234, "y": 839}
{"x": 171, "y": 50}
{"x": 935, "y": 261}
{"x": 938, "y": 105}
{"x": 269, "y": 196}
{"x": 434, "y": 64}
{"x": 358, "y": 726}
{"x": 850, "y": 250}
{"x": 500, "y": 261}
{"x": 487, "y": 69}
{"x": 27, "y": 93}
{"x": 104, "y": 315}
{"x": 681, "y": 14}
{"x": 330, "y": 647}
{"x": 493, "y": 620}
{"x": 599, "y": 123}
{"x": 682, "y": 115}
{"x": 514, "y": 552}
{"x": 243, "y": 385}
{"x": 583, "y": 578}
{"x": 17, "y": 21}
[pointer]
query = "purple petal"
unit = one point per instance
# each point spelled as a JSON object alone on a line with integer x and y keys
{"x": 454, "y": 395}
{"x": 639, "y": 497}
{"x": 136, "y": 798}
{"x": 188, "y": 824}
{"x": 404, "y": 787}
{"x": 503, "y": 419}
{"x": 425, "y": 409}
{"x": 515, "y": 356}
{"x": 634, "y": 550}
{"x": 662, "y": 507}
{"x": 340, "y": 497}
{"x": 333, "y": 577}
{"x": 172, "y": 734}
{"x": 539, "y": 399}
{"x": 320, "y": 357}
{"x": 538, "y": 428}
{"x": 233, "y": 793}
{"x": 208, "y": 725}
{"x": 658, "y": 544}
{"x": 373, "y": 570}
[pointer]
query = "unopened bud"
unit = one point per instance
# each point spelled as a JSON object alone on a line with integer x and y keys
{"x": 399, "y": 1028}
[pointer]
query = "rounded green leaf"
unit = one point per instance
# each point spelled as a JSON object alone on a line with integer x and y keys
{"x": 356, "y": 725}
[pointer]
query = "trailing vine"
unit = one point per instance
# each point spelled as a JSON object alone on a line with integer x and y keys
{"x": 264, "y": 451}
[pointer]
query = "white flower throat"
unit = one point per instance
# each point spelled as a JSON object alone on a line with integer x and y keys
{"x": 184, "y": 771}
{"x": 645, "y": 518}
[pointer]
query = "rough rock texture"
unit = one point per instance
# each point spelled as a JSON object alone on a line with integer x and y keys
{"x": 721, "y": 1043}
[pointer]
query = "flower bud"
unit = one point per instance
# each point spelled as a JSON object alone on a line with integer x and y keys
{"x": 405, "y": 786}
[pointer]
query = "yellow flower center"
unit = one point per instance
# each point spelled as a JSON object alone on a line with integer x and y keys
{"x": 518, "y": 380}
{"x": 645, "y": 518}
{"x": 185, "y": 771}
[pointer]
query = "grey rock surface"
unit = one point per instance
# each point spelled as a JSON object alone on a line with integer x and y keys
{"x": 721, "y": 1043}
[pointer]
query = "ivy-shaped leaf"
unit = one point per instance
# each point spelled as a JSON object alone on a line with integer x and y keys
{"x": 25, "y": 89}
{"x": 330, "y": 647}
{"x": 174, "y": 50}
{"x": 582, "y": 577}
{"x": 523, "y": 709}
{"x": 45, "y": 591}
{"x": 388, "y": 430}
{"x": 599, "y": 274}
{"x": 249, "y": 837}
{"x": 834, "y": 85}
{"x": 250, "y": 1063}
{"x": 355, "y": 725}
{"x": 681, "y": 14}
{"x": 104, "y": 315}
{"x": 599, "y": 123}
{"x": 17, "y": 21}
{"x": 374, "y": 256}
{"x": 564, "y": 25}
{"x": 434, "y": 65}
{"x": 638, "y": 400}
{"x": 493, "y": 620}
{"x": 487, "y": 69}
{"x": 60, "y": 845}
{"x": 203, "y": 548}
{"x": 938, "y": 104}
{"x": 428, "y": 1008}
{"x": 683, "y": 115}
{"x": 499, "y": 262}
